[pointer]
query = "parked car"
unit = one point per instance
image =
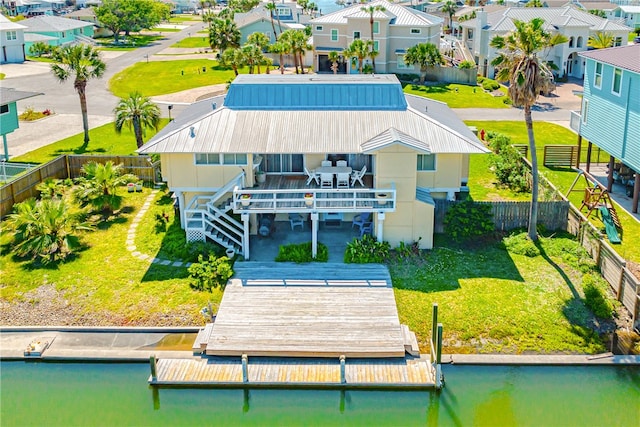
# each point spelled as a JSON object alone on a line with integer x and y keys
{"x": 636, "y": 39}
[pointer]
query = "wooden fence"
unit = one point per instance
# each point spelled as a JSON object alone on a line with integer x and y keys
{"x": 67, "y": 166}
{"x": 511, "y": 215}
{"x": 560, "y": 155}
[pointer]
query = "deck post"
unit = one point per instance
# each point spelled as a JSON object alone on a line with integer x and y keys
{"x": 314, "y": 234}
{"x": 439, "y": 358}
{"x": 245, "y": 237}
{"x": 379, "y": 234}
{"x": 154, "y": 368}
{"x": 343, "y": 370}
{"x": 245, "y": 368}
{"x": 180, "y": 196}
{"x": 434, "y": 324}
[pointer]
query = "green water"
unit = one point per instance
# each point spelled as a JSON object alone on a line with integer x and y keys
{"x": 47, "y": 394}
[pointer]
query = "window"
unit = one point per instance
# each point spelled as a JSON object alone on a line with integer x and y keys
{"x": 402, "y": 65}
{"x": 570, "y": 41}
{"x": 579, "y": 42}
{"x": 426, "y": 162}
{"x": 356, "y": 35}
{"x": 63, "y": 35}
{"x": 4, "y": 109}
{"x": 318, "y": 27}
{"x": 585, "y": 110}
{"x": 617, "y": 81}
{"x": 376, "y": 27}
{"x": 470, "y": 36}
{"x": 284, "y": 163}
{"x": 334, "y": 35}
{"x": 12, "y": 35}
{"x": 415, "y": 31}
{"x": 618, "y": 41}
{"x": 376, "y": 45}
{"x": 597, "y": 81}
{"x": 219, "y": 159}
{"x": 284, "y": 11}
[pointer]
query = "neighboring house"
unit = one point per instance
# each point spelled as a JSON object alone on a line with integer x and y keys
{"x": 414, "y": 150}
{"x": 610, "y": 116}
{"x": 395, "y": 30}
{"x": 258, "y": 20}
{"x": 63, "y": 30}
{"x": 9, "y": 113}
{"x": 12, "y": 41}
{"x": 630, "y": 15}
{"x": 88, "y": 14}
{"x": 31, "y": 8}
{"x": 577, "y": 25}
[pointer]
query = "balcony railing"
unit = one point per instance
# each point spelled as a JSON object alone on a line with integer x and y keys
{"x": 314, "y": 200}
{"x": 575, "y": 121}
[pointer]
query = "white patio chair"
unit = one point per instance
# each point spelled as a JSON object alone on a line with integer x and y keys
{"x": 296, "y": 220}
{"x": 343, "y": 180}
{"x": 312, "y": 176}
{"x": 356, "y": 176}
{"x": 326, "y": 163}
{"x": 326, "y": 180}
{"x": 341, "y": 163}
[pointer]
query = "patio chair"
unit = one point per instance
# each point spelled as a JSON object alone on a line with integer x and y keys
{"x": 356, "y": 176}
{"x": 312, "y": 176}
{"x": 326, "y": 180}
{"x": 366, "y": 229}
{"x": 326, "y": 163}
{"x": 341, "y": 163}
{"x": 296, "y": 220}
{"x": 361, "y": 220}
{"x": 343, "y": 180}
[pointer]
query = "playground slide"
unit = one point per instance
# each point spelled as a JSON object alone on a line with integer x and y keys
{"x": 609, "y": 226}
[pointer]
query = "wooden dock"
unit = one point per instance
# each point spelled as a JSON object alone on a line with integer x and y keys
{"x": 293, "y": 373}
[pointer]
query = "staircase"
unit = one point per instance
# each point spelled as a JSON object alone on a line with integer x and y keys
{"x": 614, "y": 216}
{"x": 79, "y": 38}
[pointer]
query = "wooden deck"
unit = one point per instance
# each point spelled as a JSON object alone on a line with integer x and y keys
{"x": 269, "y": 372}
{"x": 308, "y": 311}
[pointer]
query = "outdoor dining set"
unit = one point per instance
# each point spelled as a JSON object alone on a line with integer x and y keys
{"x": 341, "y": 174}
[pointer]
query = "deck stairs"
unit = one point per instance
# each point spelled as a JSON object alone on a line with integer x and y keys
{"x": 410, "y": 341}
{"x": 200, "y": 344}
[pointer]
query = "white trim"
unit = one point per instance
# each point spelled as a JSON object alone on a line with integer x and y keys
{"x": 585, "y": 110}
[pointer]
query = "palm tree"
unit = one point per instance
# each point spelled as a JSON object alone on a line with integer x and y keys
{"x": 137, "y": 112}
{"x": 233, "y": 58}
{"x": 208, "y": 17}
{"x": 224, "y": 34}
{"x": 83, "y": 62}
{"x": 271, "y": 7}
{"x": 298, "y": 43}
{"x": 359, "y": 49}
{"x": 334, "y": 57}
{"x": 99, "y": 185}
{"x": 51, "y": 188}
{"x": 518, "y": 63}
{"x": 601, "y": 40}
{"x": 534, "y": 3}
{"x": 371, "y": 10}
{"x": 450, "y": 9}
{"x": 45, "y": 229}
{"x": 425, "y": 55}
{"x": 259, "y": 39}
{"x": 280, "y": 48}
{"x": 253, "y": 56}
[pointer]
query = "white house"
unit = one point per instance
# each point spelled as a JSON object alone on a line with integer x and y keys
{"x": 630, "y": 14}
{"x": 12, "y": 41}
{"x": 577, "y": 25}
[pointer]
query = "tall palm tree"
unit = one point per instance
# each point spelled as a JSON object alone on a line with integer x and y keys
{"x": 534, "y": 3}
{"x": 280, "y": 48}
{"x": 208, "y": 17}
{"x": 253, "y": 56}
{"x": 99, "y": 185}
{"x": 371, "y": 10}
{"x": 299, "y": 45}
{"x": 224, "y": 34}
{"x": 137, "y": 112}
{"x": 450, "y": 8}
{"x": 518, "y": 63}
{"x": 360, "y": 49}
{"x": 271, "y": 7}
{"x": 46, "y": 229}
{"x": 334, "y": 57}
{"x": 83, "y": 62}
{"x": 425, "y": 55}
{"x": 601, "y": 40}
{"x": 233, "y": 58}
{"x": 259, "y": 39}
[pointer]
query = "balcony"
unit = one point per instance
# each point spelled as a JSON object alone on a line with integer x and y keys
{"x": 575, "y": 121}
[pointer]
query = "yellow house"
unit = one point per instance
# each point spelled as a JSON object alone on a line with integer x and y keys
{"x": 331, "y": 146}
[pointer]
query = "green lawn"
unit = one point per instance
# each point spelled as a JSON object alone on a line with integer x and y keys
{"x": 103, "y": 140}
{"x": 130, "y": 42}
{"x": 39, "y": 59}
{"x": 166, "y": 30}
{"x": 179, "y": 19}
{"x": 192, "y": 42}
{"x": 458, "y": 96}
{"x": 162, "y": 77}
{"x": 483, "y": 185}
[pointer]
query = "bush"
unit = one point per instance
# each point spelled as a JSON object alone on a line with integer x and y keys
{"x": 481, "y": 79}
{"x": 302, "y": 253}
{"x": 210, "y": 273}
{"x": 490, "y": 85}
{"x": 520, "y": 244}
{"x": 466, "y": 65}
{"x": 596, "y": 296}
{"x": 507, "y": 163}
{"x": 467, "y": 219}
{"x": 40, "y": 48}
{"x": 366, "y": 250}
{"x": 408, "y": 77}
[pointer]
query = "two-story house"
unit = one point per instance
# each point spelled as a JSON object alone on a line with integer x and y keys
{"x": 31, "y": 8}
{"x": 577, "y": 25}
{"x": 12, "y": 41}
{"x": 56, "y": 30}
{"x": 610, "y": 116}
{"x": 395, "y": 153}
{"x": 395, "y": 29}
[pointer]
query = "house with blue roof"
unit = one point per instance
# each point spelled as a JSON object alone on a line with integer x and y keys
{"x": 610, "y": 115}
{"x": 324, "y": 148}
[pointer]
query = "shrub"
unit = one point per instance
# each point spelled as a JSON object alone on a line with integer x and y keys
{"x": 520, "y": 244}
{"x": 467, "y": 65}
{"x": 366, "y": 250}
{"x": 507, "y": 101}
{"x": 481, "y": 79}
{"x": 302, "y": 253}
{"x": 467, "y": 219}
{"x": 490, "y": 85}
{"x": 210, "y": 273}
{"x": 408, "y": 77}
{"x": 39, "y": 48}
{"x": 507, "y": 163}
{"x": 408, "y": 250}
{"x": 596, "y": 296}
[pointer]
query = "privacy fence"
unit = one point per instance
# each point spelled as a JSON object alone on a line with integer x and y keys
{"x": 68, "y": 166}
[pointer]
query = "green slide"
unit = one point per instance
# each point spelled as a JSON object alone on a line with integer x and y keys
{"x": 612, "y": 233}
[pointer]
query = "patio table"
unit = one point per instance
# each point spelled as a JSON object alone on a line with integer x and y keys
{"x": 334, "y": 169}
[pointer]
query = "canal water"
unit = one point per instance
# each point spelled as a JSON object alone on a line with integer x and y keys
{"x": 55, "y": 394}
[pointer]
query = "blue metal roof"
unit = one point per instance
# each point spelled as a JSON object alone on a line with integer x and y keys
{"x": 315, "y": 92}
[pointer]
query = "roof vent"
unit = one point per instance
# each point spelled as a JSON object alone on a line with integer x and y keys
{"x": 192, "y": 132}
{"x": 214, "y": 105}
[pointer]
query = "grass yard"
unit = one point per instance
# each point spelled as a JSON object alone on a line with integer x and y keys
{"x": 105, "y": 284}
{"x": 483, "y": 184}
{"x": 458, "y": 96}
{"x": 162, "y": 77}
{"x": 129, "y": 42}
{"x": 178, "y": 19}
{"x": 495, "y": 301}
{"x": 103, "y": 140}
{"x": 562, "y": 178}
{"x": 165, "y": 30}
{"x": 192, "y": 42}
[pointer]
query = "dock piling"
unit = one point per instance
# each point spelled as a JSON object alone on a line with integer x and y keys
{"x": 245, "y": 368}
{"x": 343, "y": 370}
{"x": 154, "y": 369}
